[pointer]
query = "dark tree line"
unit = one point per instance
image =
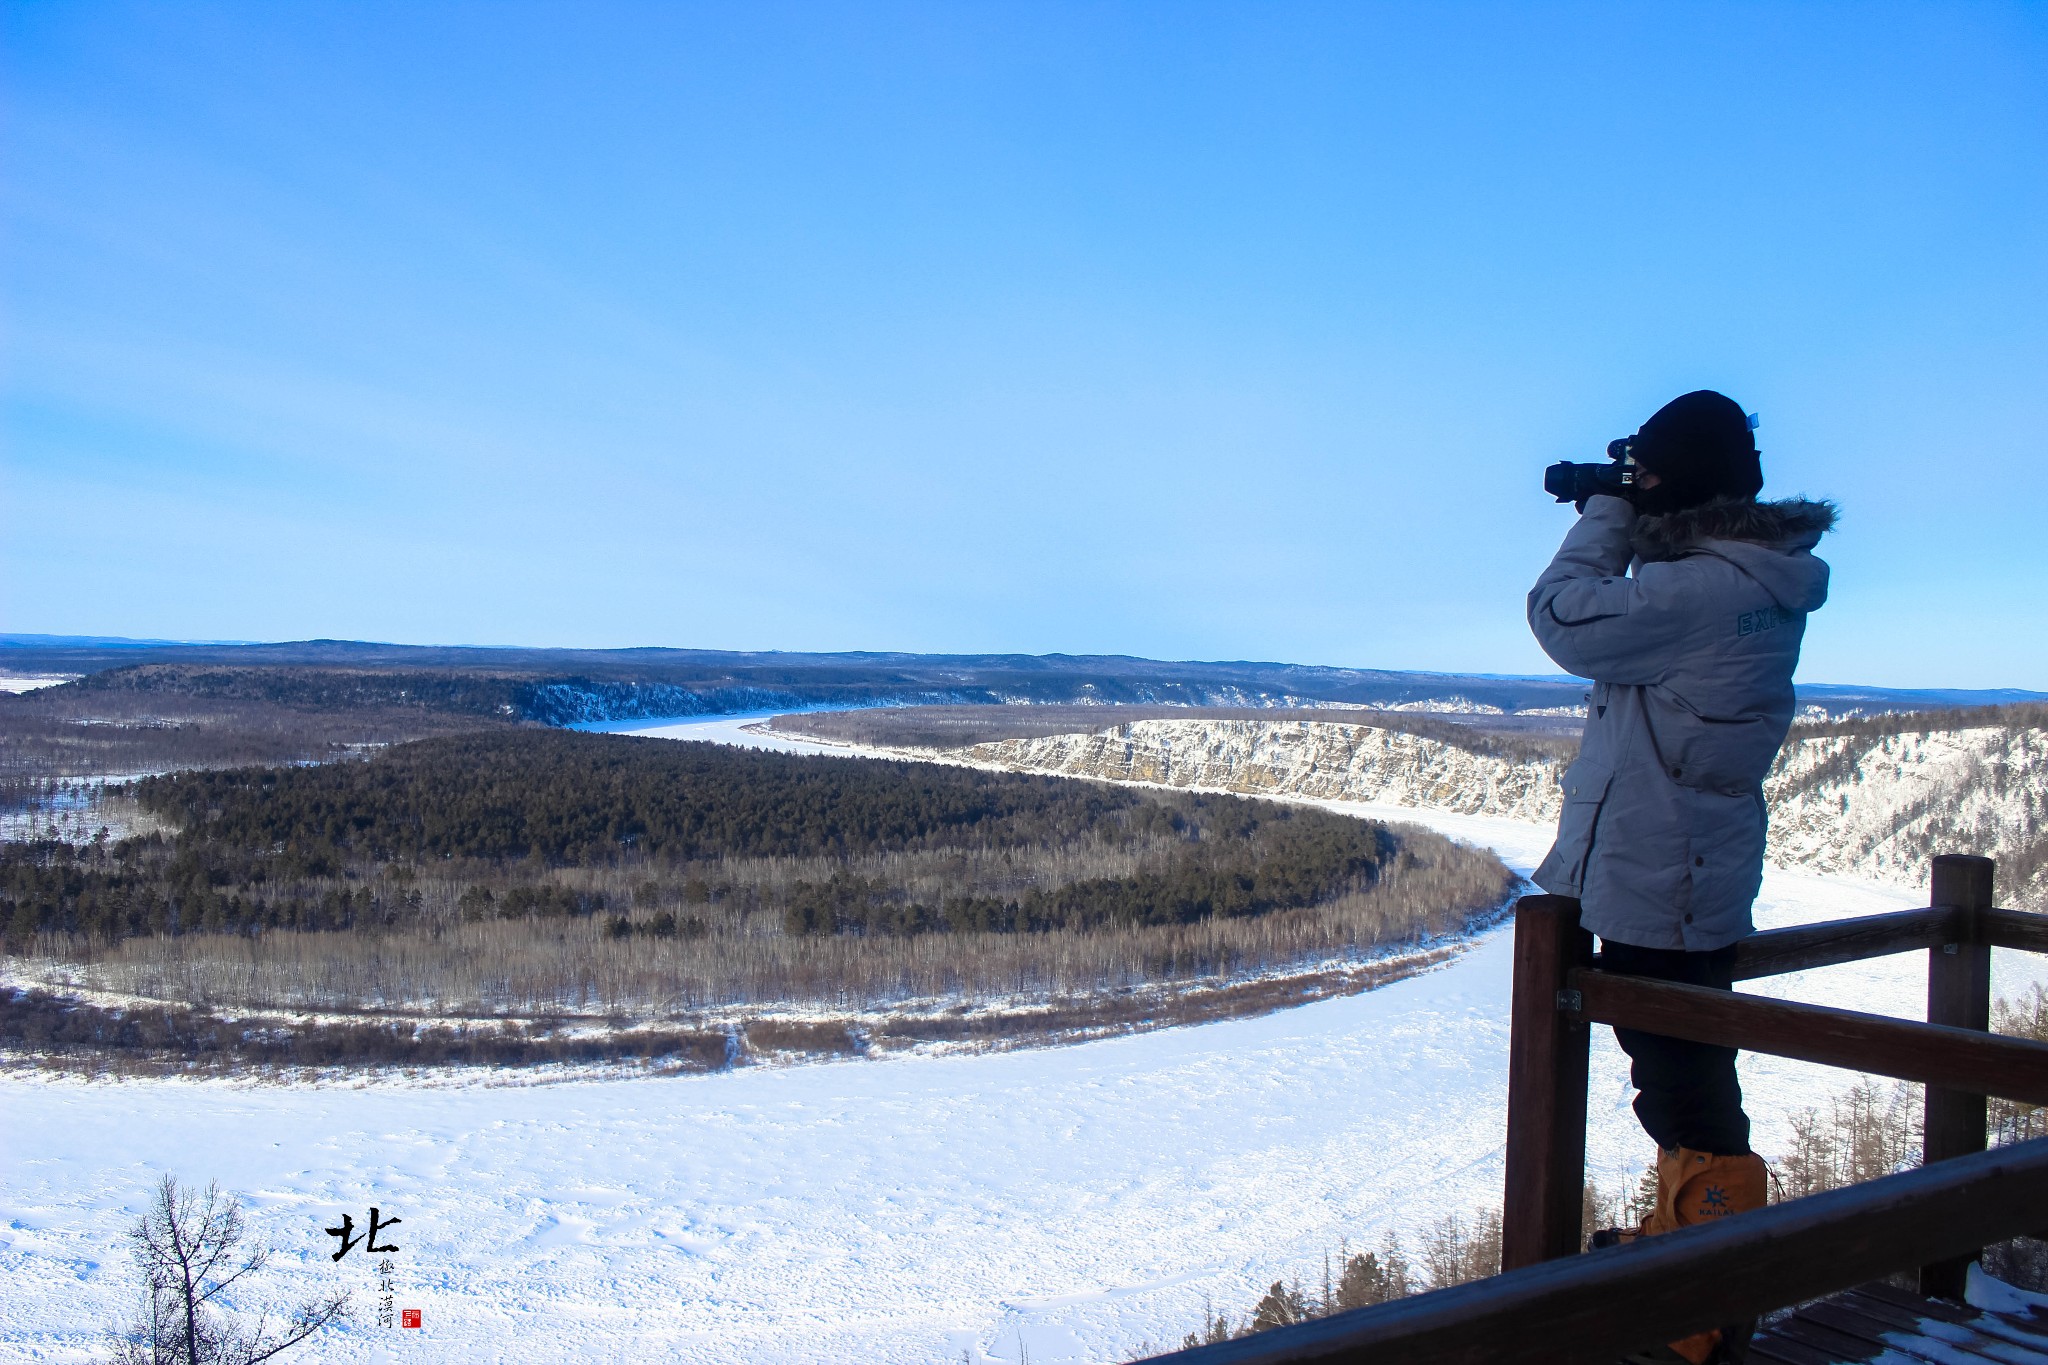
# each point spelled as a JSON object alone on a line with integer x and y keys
{"x": 1276, "y": 864}
{"x": 142, "y": 887}
{"x": 574, "y": 799}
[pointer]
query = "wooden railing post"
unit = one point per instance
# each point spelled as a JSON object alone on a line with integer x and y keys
{"x": 1959, "y": 995}
{"x": 1547, "y": 1050}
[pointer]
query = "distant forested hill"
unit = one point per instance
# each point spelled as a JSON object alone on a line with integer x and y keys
{"x": 865, "y": 676}
{"x": 848, "y": 678}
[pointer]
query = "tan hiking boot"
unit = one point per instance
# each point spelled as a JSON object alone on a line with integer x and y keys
{"x": 1698, "y": 1187}
{"x": 1692, "y": 1188}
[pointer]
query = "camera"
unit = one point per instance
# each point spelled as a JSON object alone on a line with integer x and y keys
{"x": 1574, "y": 483}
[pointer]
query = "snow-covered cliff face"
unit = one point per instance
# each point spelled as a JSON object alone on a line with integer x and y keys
{"x": 1874, "y": 806}
{"x": 1294, "y": 758}
{"x": 1881, "y": 806}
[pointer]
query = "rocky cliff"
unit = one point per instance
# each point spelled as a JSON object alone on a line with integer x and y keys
{"x": 1294, "y": 758}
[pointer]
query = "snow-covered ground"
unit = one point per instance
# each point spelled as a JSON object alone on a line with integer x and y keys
{"x": 1072, "y": 1202}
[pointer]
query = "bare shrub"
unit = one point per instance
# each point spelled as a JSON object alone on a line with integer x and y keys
{"x": 192, "y": 1247}
{"x": 792, "y": 1035}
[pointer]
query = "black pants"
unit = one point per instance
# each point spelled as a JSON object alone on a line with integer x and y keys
{"x": 1689, "y": 1095}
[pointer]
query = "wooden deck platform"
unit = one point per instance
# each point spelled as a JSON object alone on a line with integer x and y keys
{"x": 1878, "y": 1323}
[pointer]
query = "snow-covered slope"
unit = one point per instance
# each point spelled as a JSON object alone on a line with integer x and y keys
{"x": 1882, "y": 805}
{"x": 1875, "y": 806}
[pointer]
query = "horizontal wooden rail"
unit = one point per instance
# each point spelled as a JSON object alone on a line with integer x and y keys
{"x": 1775, "y": 951}
{"x": 2013, "y": 929}
{"x": 1599, "y": 1306}
{"x": 1934, "y": 1054}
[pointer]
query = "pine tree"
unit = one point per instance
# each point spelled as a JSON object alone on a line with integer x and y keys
{"x": 1363, "y": 1282}
{"x": 1283, "y": 1306}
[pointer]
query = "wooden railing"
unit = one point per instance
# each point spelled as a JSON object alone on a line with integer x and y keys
{"x": 1552, "y": 1303}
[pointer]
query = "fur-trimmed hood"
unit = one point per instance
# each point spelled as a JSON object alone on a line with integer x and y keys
{"x": 1772, "y": 542}
{"x": 1790, "y": 524}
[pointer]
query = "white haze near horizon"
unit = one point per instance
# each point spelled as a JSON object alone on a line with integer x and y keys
{"x": 1071, "y": 1202}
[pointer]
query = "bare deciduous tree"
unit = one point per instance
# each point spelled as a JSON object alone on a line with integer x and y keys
{"x": 191, "y": 1247}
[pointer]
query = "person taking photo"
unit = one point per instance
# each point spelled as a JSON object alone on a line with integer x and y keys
{"x": 1684, "y": 599}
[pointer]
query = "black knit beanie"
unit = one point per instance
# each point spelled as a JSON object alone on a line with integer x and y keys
{"x": 1700, "y": 447}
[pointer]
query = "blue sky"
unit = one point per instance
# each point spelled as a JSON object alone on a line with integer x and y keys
{"x": 1176, "y": 329}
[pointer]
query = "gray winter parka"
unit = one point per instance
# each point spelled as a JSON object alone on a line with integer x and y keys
{"x": 1691, "y": 657}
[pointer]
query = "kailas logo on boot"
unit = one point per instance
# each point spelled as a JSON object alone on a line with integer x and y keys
{"x": 1714, "y": 1202}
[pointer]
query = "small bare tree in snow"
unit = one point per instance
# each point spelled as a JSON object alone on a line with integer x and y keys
{"x": 191, "y": 1248}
